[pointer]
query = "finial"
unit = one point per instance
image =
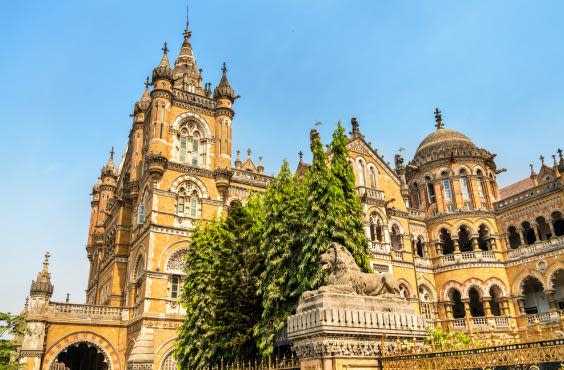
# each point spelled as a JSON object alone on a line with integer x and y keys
{"x": 532, "y": 169}
{"x": 46, "y": 261}
{"x": 554, "y": 162}
{"x": 559, "y": 151}
{"x": 249, "y": 152}
{"x": 224, "y": 68}
{"x": 542, "y": 159}
{"x": 301, "y": 155}
{"x": 238, "y": 153}
{"x": 187, "y": 32}
{"x": 165, "y": 48}
{"x": 147, "y": 83}
{"x": 67, "y": 300}
{"x": 112, "y": 153}
{"x": 439, "y": 119}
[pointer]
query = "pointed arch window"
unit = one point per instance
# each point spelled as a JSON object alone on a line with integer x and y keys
{"x": 187, "y": 202}
{"x": 372, "y": 178}
{"x": 361, "y": 173}
{"x": 376, "y": 228}
{"x": 195, "y": 148}
{"x": 183, "y": 145}
{"x": 142, "y": 210}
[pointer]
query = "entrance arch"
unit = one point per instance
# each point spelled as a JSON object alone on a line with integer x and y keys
{"x": 81, "y": 351}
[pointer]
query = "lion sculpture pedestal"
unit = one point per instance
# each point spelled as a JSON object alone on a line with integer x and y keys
{"x": 339, "y": 325}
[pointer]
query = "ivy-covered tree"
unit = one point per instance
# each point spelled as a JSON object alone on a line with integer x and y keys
{"x": 284, "y": 203}
{"x": 222, "y": 271}
{"x": 11, "y": 327}
{"x": 350, "y": 230}
{"x": 332, "y": 211}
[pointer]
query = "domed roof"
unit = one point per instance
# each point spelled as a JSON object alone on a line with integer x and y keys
{"x": 443, "y": 136}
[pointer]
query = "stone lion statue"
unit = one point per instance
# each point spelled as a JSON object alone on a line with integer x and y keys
{"x": 345, "y": 277}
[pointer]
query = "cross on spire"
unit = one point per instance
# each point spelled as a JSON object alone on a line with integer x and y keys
{"x": 438, "y": 119}
{"x": 224, "y": 68}
{"x": 46, "y": 261}
{"x": 165, "y": 48}
{"x": 147, "y": 83}
{"x": 301, "y": 155}
{"x": 112, "y": 152}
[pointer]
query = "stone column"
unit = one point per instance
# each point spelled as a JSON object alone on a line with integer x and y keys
{"x": 550, "y": 298}
{"x": 467, "y": 311}
{"x": 456, "y": 243}
{"x": 536, "y": 230}
{"x": 487, "y": 303}
{"x": 521, "y": 238}
{"x": 474, "y": 241}
{"x": 507, "y": 242}
{"x": 439, "y": 249}
{"x": 521, "y": 303}
{"x": 551, "y": 227}
{"x": 493, "y": 243}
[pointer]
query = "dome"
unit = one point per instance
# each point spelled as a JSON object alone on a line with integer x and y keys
{"x": 444, "y": 136}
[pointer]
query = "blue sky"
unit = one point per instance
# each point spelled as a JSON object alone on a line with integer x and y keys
{"x": 70, "y": 72}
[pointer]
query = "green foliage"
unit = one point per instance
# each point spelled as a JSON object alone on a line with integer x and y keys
{"x": 444, "y": 340}
{"x": 11, "y": 327}
{"x": 245, "y": 274}
{"x": 285, "y": 206}
{"x": 219, "y": 291}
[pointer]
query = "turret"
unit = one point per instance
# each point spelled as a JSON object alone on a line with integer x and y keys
{"x": 41, "y": 288}
{"x": 224, "y": 97}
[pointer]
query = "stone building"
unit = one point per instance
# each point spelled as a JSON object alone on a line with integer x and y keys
{"x": 469, "y": 256}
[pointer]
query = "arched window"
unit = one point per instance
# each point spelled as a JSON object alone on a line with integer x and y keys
{"x": 528, "y": 233}
{"x": 513, "y": 236}
{"x": 483, "y": 237}
{"x": 376, "y": 228}
{"x": 458, "y": 310}
{"x": 169, "y": 363}
{"x": 426, "y": 303}
{"x": 543, "y": 228}
{"x": 476, "y": 305}
{"x": 372, "y": 177}
{"x": 430, "y": 191}
{"x": 420, "y": 247}
{"x": 404, "y": 291}
{"x": 187, "y": 202}
{"x": 465, "y": 189}
{"x": 416, "y": 202}
{"x": 557, "y": 281}
{"x": 183, "y": 145}
{"x": 557, "y": 223}
{"x": 495, "y": 303}
{"x": 464, "y": 239}
{"x": 195, "y": 148}
{"x": 446, "y": 241}
{"x": 397, "y": 238}
{"x": 534, "y": 297}
{"x": 479, "y": 185}
{"x": 447, "y": 189}
{"x": 138, "y": 273}
{"x": 361, "y": 173}
{"x": 142, "y": 209}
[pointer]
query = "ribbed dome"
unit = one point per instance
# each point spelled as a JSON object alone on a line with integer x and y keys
{"x": 443, "y": 136}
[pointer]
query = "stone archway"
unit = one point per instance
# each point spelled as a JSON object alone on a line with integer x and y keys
{"x": 81, "y": 351}
{"x": 81, "y": 356}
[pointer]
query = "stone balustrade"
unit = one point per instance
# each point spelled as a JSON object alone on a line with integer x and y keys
{"x": 501, "y": 322}
{"x": 380, "y": 248}
{"x": 465, "y": 257}
{"x": 528, "y": 195}
{"x": 423, "y": 262}
{"x": 84, "y": 311}
{"x": 369, "y": 193}
{"x": 459, "y": 324}
{"x": 543, "y": 317}
{"x": 536, "y": 248}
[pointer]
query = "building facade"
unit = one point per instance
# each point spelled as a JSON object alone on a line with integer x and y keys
{"x": 469, "y": 256}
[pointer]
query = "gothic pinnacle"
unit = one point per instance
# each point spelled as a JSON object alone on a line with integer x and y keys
{"x": 165, "y": 48}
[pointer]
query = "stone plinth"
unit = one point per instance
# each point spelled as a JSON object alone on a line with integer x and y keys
{"x": 331, "y": 330}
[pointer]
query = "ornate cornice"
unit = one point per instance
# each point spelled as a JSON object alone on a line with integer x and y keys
{"x": 195, "y": 171}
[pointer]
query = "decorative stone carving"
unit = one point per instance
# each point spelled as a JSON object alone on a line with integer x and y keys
{"x": 345, "y": 277}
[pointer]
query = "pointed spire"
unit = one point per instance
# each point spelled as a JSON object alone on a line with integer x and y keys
{"x": 163, "y": 71}
{"x": 224, "y": 89}
{"x": 109, "y": 169}
{"x": 542, "y": 160}
{"x": 67, "y": 299}
{"x": 42, "y": 285}
{"x": 260, "y": 167}
{"x": 301, "y": 156}
{"x": 187, "y": 32}
{"x": 143, "y": 102}
{"x": 533, "y": 173}
{"x": 439, "y": 124}
{"x": 249, "y": 153}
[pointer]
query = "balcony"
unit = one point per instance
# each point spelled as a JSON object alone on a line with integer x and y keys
{"x": 423, "y": 262}
{"x": 84, "y": 311}
{"x": 466, "y": 257}
{"x": 379, "y": 248}
{"x": 537, "y": 248}
{"x": 544, "y": 318}
{"x": 369, "y": 194}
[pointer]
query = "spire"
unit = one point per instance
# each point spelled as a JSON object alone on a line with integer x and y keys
{"x": 187, "y": 76}
{"x": 238, "y": 163}
{"x": 42, "y": 285}
{"x": 143, "y": 102}
{"x": 542, "y": 160}
{"x": 561, "y": 162}
{"x": 439, "y": 124}
{"x": 163, "y": 71}
{"x": 109, "y": 169}
{"x": 224, "y": 89}
{"x": 301, "y": 156}
{"x": 260, "y": 167}
{"x": 533, "y": 173}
